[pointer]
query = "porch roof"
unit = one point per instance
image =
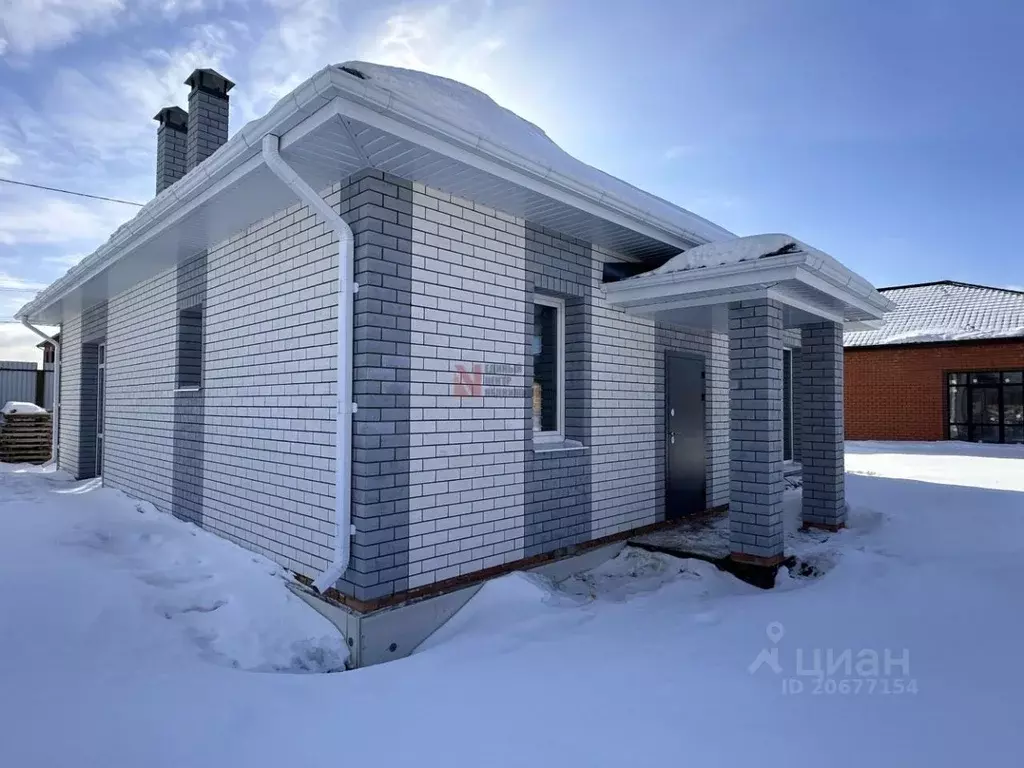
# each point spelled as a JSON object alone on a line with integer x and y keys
{"x": 695, "y": 287}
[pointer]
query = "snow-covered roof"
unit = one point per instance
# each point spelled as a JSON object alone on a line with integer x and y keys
{"x": 945, "y": 311}
{"x": 692, "y": 287}
{"x": 742, "y": 249}
{"x": 478, "y": 114}
{"x": 419, "y": 127}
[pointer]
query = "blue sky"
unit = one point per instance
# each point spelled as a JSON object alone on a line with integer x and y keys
{"x": 886, "y": 133}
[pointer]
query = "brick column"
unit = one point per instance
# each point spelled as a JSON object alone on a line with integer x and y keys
{"x": 755, "y": 432}
{"x": 821, "y": 426}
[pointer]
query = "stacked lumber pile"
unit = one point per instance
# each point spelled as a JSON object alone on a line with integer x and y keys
{"x": 25, "y": 438}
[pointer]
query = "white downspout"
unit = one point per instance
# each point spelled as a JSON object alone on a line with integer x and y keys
{"x": 54, "y": 433}
{"x": 346, "y": 407}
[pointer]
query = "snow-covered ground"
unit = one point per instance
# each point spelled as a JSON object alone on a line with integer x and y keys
{"x": 130, "y": 639}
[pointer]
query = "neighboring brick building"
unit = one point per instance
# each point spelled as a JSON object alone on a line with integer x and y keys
{"x": 504, "y": 405}
{"x": 948, "y": 364}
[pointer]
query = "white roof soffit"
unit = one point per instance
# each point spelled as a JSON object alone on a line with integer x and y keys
{"x": 331, "y": 126}
{"x": 809, "y": 282}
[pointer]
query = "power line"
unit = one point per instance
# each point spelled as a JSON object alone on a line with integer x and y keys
{"x": 70, "y": 192}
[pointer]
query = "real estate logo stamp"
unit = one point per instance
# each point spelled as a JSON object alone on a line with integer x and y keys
{"x": 488, "y": 380}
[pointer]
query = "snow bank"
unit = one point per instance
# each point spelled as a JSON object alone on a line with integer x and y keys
{"x": 13, "y": 406}
{"x": 643, "y": 657}
{"x": 193, "y": 593}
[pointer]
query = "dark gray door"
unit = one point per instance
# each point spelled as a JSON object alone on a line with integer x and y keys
{"x": 101, "y": 383}
{"x": 684, "y": 420}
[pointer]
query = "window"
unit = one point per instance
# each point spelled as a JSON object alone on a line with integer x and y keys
{"x": 548, "y": 368}
{"x": 787, "y": 405}
{"x": 190, "y": 348}
{"x": 986, "y": 406}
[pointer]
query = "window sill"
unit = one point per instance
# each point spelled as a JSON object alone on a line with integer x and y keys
{"x": 558, "y": 446}
{"x": 187, "y": 389}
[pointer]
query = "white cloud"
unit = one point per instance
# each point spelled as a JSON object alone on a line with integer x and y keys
{"x": 8, "y": 158}
{"x": 50, "y": 220}
{"x": 455, "y": 39}
{"x": 19, "y": 343}
{"x": 66, "y": 260}
{"x": 302, "y": 38}
{"x": 27, "y": 26}
{"x": 108, "y": 111}
{"x": 11, "y": 283}
{"x": 677, "y": 151}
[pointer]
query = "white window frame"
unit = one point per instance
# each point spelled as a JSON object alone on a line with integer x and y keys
{"x": 556, "y": 435}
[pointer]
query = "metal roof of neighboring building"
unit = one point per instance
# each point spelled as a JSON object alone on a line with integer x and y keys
{"x": 945, "y": 311}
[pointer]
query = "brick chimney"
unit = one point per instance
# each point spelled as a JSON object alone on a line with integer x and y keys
{"x": 170, "y": 146}
{"x": 207, "y": 115}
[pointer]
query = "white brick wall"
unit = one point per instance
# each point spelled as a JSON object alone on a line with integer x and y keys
{"x": 70, "y": 402}
{"x": 466, "y": 454}
{"x": 269, "y": 388}
{"x": 139, "y": 429}
{"x": 269, "y": 382}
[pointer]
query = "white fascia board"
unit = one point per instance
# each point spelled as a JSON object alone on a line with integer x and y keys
{"x": 853, "y": 300}
{"x": 645, "y": 308}
{"x": 784, "y": 295}
{"x": 728, "y": 278}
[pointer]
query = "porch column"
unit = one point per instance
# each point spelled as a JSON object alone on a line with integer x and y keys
{"x": 755, "y": 431}
{"x": 821, "y": 426}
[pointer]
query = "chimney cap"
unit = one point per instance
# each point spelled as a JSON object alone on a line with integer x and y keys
{"x": 172, "y": 117}
{"x": 209, "y": 80}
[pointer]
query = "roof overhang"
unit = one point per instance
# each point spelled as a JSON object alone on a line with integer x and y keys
{"x": 809, "y": 288}
{"x": 330, "y": 127}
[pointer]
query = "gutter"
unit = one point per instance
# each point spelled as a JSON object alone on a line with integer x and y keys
{"x": 54, "y": 418}
{"x": 347, "y": 288}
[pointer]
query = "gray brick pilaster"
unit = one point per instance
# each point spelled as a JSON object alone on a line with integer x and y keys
{"x": 755, "y": 429}
{"x": 821, "y": 425}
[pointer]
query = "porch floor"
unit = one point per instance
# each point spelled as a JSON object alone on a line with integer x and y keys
{"x": 706, "y": 536}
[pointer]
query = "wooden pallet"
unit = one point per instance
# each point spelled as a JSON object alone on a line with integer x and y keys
{"x": 25, "y": 438}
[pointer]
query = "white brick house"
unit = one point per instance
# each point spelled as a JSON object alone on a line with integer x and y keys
{"x": 510, "y": 400}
